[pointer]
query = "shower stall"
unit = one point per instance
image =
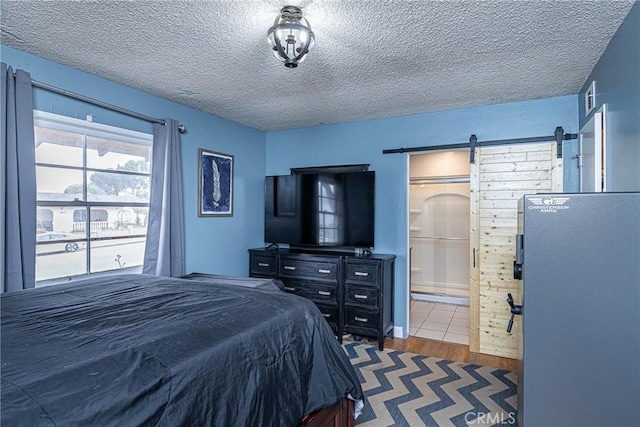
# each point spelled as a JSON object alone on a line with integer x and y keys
{"x": 439, "y": 215}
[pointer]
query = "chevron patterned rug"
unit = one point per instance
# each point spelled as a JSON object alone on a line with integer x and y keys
{"x": 406, "y": 389}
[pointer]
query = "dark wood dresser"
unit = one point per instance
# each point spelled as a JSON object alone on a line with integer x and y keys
{"x": 354, "y": 293}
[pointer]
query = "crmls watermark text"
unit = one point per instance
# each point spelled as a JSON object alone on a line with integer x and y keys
{"x": 489, "y": 419}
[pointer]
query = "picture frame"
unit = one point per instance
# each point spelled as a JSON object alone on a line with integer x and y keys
{"x": 215, "y": 183}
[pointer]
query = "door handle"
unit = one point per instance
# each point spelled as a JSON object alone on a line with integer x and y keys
{"x": 515, "y": 309}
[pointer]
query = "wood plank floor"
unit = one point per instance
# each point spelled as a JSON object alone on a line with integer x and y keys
{"x": 449, "y": 351}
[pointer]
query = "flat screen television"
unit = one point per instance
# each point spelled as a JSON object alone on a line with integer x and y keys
{"x": 323, "y": 210}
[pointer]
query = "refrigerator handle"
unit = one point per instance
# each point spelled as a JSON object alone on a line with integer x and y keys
{"x": 515, "y": 309}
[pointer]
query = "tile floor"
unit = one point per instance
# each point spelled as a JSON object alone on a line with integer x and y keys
{"x": 438, "y": 321}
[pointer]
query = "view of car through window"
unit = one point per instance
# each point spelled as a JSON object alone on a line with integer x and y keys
{"x": 68, "y": 247}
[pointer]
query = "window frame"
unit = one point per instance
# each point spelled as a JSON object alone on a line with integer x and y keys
{"x": 87, "y": 128}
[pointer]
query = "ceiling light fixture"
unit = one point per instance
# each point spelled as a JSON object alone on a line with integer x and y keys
{"x": 291, "y": 37}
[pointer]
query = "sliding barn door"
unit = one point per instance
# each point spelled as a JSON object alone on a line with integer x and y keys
{"x": 500, "y": 176}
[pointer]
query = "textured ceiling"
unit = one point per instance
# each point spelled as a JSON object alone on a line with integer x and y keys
{"x": 372, "y": 58}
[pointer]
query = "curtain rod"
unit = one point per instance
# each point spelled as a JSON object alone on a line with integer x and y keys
{"x": 64, "y": 92}
{"x": 559, "y": 136}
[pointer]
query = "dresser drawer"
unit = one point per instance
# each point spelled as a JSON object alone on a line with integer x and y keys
{"x": 321, "y": 292}
{"x": 263, "y": 265}
{"x": 361, "y": 295}
{"x": 316, "y": 269}
{"x": 362, "y": 272}
{"x": 330, "y": 313}
{"x": 324, "y": 293}
{"x": 357, "y": 318}
{"x": 293, "y": 287}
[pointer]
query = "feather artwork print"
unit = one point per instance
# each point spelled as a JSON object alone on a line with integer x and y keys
{"x": 216, "y": 183}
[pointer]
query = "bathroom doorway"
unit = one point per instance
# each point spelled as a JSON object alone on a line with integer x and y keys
{"x": 439, "y": 217}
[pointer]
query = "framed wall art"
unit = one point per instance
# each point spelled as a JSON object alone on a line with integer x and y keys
{"x": 215, "y": 190}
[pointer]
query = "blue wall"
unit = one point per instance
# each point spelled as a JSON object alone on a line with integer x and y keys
{"x": 363, "y": 142}
{"x": 215, "y": 245}
{"x": 219, "y": 245}
{"x": 617, "y": 76}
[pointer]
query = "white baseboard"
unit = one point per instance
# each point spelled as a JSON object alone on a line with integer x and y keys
{"x": 398, "y": 332}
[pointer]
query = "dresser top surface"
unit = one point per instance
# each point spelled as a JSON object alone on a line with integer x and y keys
{"x": 346, "y": 255}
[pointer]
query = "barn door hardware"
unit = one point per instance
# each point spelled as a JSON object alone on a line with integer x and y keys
{"x": 559, "y": 136}
{"x": 559, "y": 133}
{"x": 473, "y": 140}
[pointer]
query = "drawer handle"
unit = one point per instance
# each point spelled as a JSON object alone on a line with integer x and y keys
{"x": 287, "y": 288}
{"x": 263, "y": 264}
{"x": 325, "y": 293}
{"x": 324, "y": 271}
{"x": 360, "y": 296}
{"x": 288, "y": 267}
{"x": 361, "y": 273}
{"x": 361, "y": 319}
{"x": 326, "y": 315}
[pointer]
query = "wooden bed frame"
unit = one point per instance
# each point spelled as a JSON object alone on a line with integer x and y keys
{"x": 342, "y": 414}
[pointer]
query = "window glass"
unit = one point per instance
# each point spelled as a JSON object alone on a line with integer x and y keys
{"x": 104, "y": 153}
{"x": 327, "y": 215}
{"x": 110, "y": 255}
{"x": 103, "y": 186}
{"x": 59, "y": 184}
{"x": 59, "y": 222}
{"x": 58, "y": 147}
{"x": 54, "y": 261}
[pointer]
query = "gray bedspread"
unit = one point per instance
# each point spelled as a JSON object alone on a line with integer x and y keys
{"x": 146, "y": 350}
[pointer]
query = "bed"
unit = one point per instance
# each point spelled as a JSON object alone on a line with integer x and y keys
{"x": 148, "y": 350}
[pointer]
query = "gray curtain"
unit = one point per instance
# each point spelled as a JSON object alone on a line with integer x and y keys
{"x": 164, "y": 252}
{"x": 17, "y": 182}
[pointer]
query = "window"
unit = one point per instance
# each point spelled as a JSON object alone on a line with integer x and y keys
{"x": 328, "y": 212}
{"x": 93, "y": 185}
